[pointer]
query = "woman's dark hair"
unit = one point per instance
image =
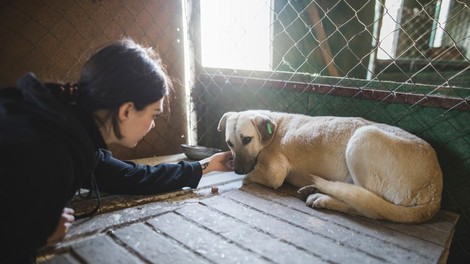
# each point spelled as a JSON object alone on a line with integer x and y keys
{"x": 118, "y": 73}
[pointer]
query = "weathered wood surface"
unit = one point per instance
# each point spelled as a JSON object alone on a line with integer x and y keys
{"x": 249, "y": 224}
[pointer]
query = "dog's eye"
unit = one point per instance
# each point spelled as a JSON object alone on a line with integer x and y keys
{"x": 229, "y": 143}
{"x": 246, "y": 140}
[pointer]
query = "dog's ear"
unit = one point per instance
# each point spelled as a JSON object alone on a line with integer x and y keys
{"x": 266, "y": 129}
{"x": 223, "y": 120}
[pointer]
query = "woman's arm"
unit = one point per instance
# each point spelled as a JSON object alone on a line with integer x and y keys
{"x": 35, "y": 181}
{"x": 126, "y": 177}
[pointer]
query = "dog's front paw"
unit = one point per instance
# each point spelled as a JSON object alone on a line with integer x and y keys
{"x": 318, "y": 200}
{"x": 304, "y": 192}
{"x": 246, "y": 180}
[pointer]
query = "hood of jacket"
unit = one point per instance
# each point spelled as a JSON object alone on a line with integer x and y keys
{"x": 38, "y": 101}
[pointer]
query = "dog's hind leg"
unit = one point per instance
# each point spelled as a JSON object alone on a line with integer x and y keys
{"x": 314, "y": 199}
{"x": 304, "y": 192}
{"x": 320, "y": 200}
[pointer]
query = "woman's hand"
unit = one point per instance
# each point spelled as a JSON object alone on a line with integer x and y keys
{"x": 218, "y": 162}
{"x": 66, "y": 220}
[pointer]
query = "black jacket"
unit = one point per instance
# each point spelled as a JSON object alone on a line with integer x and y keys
{"x": 48, "y": 150}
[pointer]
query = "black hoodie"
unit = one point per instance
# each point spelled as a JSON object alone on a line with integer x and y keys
{"x": 48, "y": 150}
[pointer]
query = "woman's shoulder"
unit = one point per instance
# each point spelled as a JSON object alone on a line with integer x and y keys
{"x": 30, "y": 113}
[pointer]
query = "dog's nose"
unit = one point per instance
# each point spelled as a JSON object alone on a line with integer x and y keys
{"x": 239, "y": 171}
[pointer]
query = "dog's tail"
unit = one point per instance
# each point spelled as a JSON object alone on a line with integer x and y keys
{"x": 368, "y": 204}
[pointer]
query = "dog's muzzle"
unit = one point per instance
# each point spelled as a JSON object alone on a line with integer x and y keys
{"x": 243, "y": 166}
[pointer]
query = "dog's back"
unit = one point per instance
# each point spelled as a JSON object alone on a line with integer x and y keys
{"x": 315, "y": 145}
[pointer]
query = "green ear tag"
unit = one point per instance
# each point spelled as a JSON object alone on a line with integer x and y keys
{"x": 270, "y": 129}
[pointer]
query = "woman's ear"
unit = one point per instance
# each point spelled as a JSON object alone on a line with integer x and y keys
{"x": 125, "y": 110}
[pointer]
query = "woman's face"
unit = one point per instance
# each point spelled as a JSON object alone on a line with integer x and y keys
{"x": 138, "y": 123}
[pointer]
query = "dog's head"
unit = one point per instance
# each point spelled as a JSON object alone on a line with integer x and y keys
{"x": 246, "y": 134}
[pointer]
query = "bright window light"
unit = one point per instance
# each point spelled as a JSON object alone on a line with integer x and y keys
{"x": 443, "y": 9}
{"x": 236, "y": 34}
{"x": 390, "y": 28}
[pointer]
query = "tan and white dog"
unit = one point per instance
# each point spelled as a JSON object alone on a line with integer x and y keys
{"x": 346, "y": 164}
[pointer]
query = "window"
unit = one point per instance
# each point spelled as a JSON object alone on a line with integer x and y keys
{"x": 408, "y": 24}
{"x": 442, "y": 13}
{"x": 236, "y": 34}
{"x": 390, "y": 30}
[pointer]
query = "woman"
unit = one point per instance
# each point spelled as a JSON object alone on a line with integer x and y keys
{"x": 53, "y": 139}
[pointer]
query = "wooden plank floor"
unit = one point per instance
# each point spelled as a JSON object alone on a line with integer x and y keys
{"x": 249, "y": 224}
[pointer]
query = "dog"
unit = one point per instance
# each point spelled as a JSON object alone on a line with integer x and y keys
{"x": 347, "y": 164}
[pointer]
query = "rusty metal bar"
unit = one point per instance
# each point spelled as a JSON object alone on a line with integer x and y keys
{"x": 352, "y": 92}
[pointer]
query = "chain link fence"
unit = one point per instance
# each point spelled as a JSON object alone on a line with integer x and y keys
{"x": 402, "y": 62}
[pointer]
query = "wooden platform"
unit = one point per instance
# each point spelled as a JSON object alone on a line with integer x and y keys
{"x": 249, "y": 224}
